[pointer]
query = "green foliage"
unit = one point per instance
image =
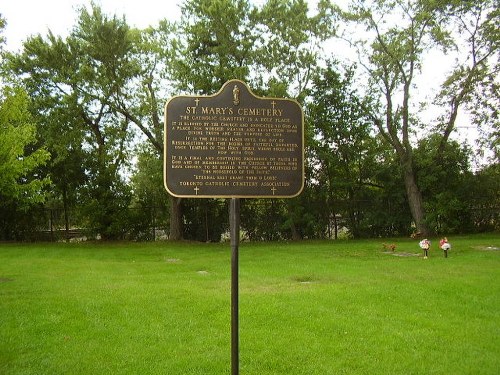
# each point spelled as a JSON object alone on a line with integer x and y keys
{"x": 97, "y": 93}
{"x": 289, "y": 46}
{"x": 389, "y": 214}
{"x": 446, "y": 181}
{"x": 472, "y": 82}
{"x": 147, "y": 181}
{"x": 264, "y": 220}
{"x": 226, "y": 39}
{"x": 19, "y": 155}
{"x": 485, "y": 198}
{"x": 392, "y": 52}
{"x": 150, "y": 200}
{"x": 104, "y": 203}
{"x": 349, "y": 161}
{"x": 2, "y": 27}
{"x": 206, "y": 219}
{"x": 215, "y": 45}
{"x": 23, "y": 185}
{"x": 74, "y": 84}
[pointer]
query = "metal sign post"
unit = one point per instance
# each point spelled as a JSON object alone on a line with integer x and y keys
{"x": 234, "y": 145}
{"x": 234, "y": 223}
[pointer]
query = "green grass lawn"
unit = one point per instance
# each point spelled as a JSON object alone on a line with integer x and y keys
{"x": 306, "y": 308}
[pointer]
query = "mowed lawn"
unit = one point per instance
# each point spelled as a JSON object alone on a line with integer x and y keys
{"x": 325, "y": 307}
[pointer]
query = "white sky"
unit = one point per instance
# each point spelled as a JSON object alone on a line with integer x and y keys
{"x": 30, "y": 17}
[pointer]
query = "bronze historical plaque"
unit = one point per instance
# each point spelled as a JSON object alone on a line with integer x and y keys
{"x": 233, "y": 144}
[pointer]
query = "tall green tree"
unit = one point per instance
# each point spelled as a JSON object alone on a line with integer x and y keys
{"x": 346, "y": 152}
{"x": 446, "y": 185}
{"x": 74, "y": 83}
{"x": 21, "y": 156}
{"x": 289, "y": 46}
{"x": 22, "y": 186}
{"x": 290, "y": 52}
{"x": 472, "y": 84}
{"x": 214, "y": 45}
{"x": 20, "y": 151}
{"x": 396, "y": 36}
{"x": 149, "y": 208}
{"x": 142, "y": 101}
{"x": 227, "y": 39}
{"x": 485, "y": 193}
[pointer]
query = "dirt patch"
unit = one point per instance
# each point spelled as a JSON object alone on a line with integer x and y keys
{"x": 303, "y": 279}
{"x": 401, "y": 254}
{"x": 5, "y": 279}
{"x": 488, "y": 248}
{"x": 172, "y": 260}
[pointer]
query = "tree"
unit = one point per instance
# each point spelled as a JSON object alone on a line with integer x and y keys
{"x": 288, "y": 56}
{"x": 473, "y": 81}
{"x": 22, "y": 186}
{"x": 398, "y": 33}
{"x": 149, "y": 206}
{"x": 226, "y": 39}
{"x": 142, "y": 102}
{"x": 446, "y": 185}
{"x": 345, "y": 150}
{"x": 289, "y": 47}
{"x": 21, "y": 156}
{"x": 485, "y": 202}
{"x": 214, "y": 45}
{"x": 2, "y": 26}
{"x": 74, "y": 84}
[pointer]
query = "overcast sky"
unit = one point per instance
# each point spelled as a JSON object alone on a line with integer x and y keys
{"x": 29, "y": 17}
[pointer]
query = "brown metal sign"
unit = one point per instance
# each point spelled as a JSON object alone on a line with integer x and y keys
{"x": 233, "y": 144}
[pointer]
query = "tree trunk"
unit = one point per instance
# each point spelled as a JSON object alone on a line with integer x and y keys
{"x": 295, "y": 233}
{"x": 296, "y": 236}
{"x": 175, "y": 218}
{"x": 66, "y": 212}
{"x": 414, "y": 199}
{"x": 335, "y": 226}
